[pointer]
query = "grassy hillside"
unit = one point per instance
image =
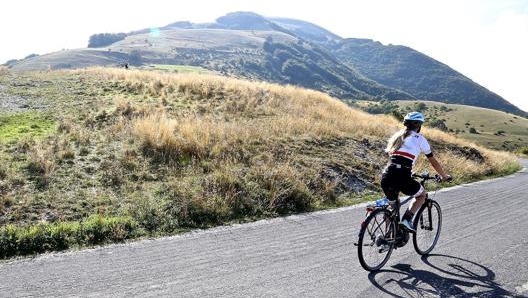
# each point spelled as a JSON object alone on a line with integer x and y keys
{"x": 491, "y": 128}
{"x": 283, "y": 51}
{"x": 253, "y": 54}
{"x": 97, "y": 155}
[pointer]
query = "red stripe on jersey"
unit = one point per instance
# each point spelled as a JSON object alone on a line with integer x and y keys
{"x": 404, "y": 154}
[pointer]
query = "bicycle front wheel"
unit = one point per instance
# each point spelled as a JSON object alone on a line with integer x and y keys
{"x": 428, "y": 224}
{"x": 376, "y": 240}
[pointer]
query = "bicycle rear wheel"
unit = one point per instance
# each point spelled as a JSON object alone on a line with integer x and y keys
{"x": 428, "y": 223}
{"x": 376, "y": 240}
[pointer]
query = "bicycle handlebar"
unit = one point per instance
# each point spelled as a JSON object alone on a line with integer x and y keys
{"x": 426, "y": 176}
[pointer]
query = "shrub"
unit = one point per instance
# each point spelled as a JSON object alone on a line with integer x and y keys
{"x": 500, "y": 133}
{"x": 45, "y": 237}
{"x": 285, "y": 192}
{"x": 8, "y": 241}
{"x": 98, "y": 229}
{"x": 3, "y": 172}
{"x": 135, "y": 57}
{"x": 439, "y": 124}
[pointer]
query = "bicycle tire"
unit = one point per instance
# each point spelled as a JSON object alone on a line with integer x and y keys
{"x": 376, "y": 240}
{"x": 428, "y": 224}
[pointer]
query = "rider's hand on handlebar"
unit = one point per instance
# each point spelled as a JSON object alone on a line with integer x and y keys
{"x": 445, "y": 178}
{"x": 439, "y": 178}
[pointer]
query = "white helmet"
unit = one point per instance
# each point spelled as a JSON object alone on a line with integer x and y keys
{"x": 414, "y": 116}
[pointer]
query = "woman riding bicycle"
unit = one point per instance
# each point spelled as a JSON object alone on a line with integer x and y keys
{"x": 403, "y": 148}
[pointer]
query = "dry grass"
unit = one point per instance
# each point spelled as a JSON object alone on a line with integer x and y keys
{"x": 173, "y": 151}
{"x": 294, "y": 109}
{"x": 490, "y": 128}
{"x": 465, "y": 168}
{"x": 241, "y": 112}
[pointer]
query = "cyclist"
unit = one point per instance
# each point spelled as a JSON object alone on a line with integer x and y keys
{"x": 403, "y": 148}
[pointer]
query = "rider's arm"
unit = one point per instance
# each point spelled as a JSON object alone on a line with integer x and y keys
{"x": 438, "y": 168}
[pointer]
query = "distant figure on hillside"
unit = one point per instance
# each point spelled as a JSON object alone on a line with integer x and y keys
{"x": 403, "y": 148}
{"x": 126, "y": 65}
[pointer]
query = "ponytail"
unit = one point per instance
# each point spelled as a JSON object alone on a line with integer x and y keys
{"x": 396, "y": 141}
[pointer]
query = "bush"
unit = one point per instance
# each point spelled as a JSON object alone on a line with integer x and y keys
{"x": 4, "y": 70}
{"x": 439, "y": 124}
{"x": 384, "y": 107}
{"x": 98, "y": 230}
{"x": 285, "y": 192}
{"x": 135, "y": 57}
{"x": 500, "y": 133}
{"x": 45, "y": 237}
{"x": 8, "y": 241}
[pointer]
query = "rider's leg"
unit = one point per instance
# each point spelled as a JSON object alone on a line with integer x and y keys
{"x": 415, "y": 204}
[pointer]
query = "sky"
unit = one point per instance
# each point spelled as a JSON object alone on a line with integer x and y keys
{"x": 485, "y": 40}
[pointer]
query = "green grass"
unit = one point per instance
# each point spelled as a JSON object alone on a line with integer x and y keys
{"x": 45, "y": 237}
{"x": 25, "y": 125}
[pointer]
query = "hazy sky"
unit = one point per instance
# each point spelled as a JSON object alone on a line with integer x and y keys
{"x": 485, "y": 40}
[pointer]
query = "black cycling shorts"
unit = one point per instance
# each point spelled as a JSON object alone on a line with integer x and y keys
{"x": 395, "y": 180}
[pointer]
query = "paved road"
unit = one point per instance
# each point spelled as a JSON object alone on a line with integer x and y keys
{"x": 482, "y": 252}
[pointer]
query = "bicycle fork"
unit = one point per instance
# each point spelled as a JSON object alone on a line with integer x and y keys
{"x": 427, "y": 212}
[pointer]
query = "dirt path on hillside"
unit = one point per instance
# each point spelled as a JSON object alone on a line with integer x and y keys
{"x": 11, "y": 103}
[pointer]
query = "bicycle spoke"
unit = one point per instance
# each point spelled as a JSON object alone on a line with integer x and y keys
{"x": 429, "y": 223}
{"x": 374, "y": 247}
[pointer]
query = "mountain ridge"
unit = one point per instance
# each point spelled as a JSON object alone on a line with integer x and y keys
{"x": 286, "y": 51}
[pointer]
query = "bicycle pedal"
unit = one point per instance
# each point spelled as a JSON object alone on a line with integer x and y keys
{"x": 384, "y": 248}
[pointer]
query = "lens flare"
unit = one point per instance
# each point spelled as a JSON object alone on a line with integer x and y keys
{"x": 154, "y": 32}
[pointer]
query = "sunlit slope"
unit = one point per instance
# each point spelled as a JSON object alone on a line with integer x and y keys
{"x": 490, "y": 128}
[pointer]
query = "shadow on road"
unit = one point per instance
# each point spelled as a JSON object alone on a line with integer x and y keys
{"x": 449, "y": 277}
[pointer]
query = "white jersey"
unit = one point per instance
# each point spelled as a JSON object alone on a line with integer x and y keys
{"x": 412, "y": 146}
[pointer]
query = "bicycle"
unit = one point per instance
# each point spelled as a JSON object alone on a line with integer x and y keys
{"x": 381, "y": 231}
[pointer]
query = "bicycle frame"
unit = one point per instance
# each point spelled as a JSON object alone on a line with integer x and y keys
{"x": 395, "y": 207}
{"x": 381, "y": 231}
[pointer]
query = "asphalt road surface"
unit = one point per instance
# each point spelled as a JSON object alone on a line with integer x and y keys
{"x": 482, "y": 252}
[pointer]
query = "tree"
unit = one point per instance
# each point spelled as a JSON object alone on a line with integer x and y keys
{"x": 439, "y": 124}
{"x": 104, "y": 39}
{"x": 297, "y": 71}
{"x": 420, "y": 106}
{"x": 268, "y": 44}
{"x": 135, "y": 57}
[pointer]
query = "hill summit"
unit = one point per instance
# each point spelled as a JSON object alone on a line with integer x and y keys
{"x": 281, "y": 50}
